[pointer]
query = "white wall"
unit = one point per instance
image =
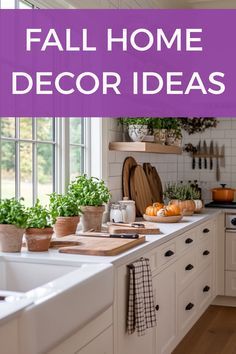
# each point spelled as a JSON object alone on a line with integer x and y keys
{"x": 174, "y": 167}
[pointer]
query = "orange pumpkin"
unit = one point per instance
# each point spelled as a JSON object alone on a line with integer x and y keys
{"x": 152, "y": 210}
{"x": 169, "y": 210}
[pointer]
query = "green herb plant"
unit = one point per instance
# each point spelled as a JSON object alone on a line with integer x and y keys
{"x": 63, "y": 205}
{"x": 180, "y": 191}
{"x": 135, "y": 121}
{"x": 89, "y": 191}
{"x": 13, "y": 212}
{"x": 39, "y": 217}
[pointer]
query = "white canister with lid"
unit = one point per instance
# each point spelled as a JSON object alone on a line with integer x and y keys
{"x": 130, "y": 209}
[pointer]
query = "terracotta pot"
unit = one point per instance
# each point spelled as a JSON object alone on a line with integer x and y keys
{"x": 38, "y": 240}
{"x": 66, "y": 225}
{"x": 92, "y": 217}
{"x": 222, "y": 194}
{"x": 10, "y": 238}
{"x": 187, "y": 207}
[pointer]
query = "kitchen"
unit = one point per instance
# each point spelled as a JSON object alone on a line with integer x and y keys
{"x": 83, "y": 320}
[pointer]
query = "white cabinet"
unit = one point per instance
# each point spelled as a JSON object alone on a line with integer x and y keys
{"x": 101, "y": 345}
{"x": 165, "y": 299}
{"x": 183, "y": 273}
{"x": 230, "y": 264}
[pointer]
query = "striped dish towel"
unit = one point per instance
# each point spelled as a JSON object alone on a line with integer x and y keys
{"x": 141, "y": 309}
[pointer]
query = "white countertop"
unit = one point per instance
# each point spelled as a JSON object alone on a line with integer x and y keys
{"x": 168, "y": 232}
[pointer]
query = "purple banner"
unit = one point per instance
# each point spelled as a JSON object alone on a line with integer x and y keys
{"x": 113, "y": 63}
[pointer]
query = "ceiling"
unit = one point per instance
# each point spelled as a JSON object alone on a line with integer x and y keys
{"x": 163, "y": 4}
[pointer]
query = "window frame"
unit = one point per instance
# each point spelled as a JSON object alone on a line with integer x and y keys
{"x": 61, "y": 154}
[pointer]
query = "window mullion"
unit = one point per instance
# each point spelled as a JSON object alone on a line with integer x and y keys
{"x": 17, "y": 158}
{"x": 34, "y": 162}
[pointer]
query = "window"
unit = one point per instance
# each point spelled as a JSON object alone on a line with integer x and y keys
{"x": 16, "y": 4}
{"x": 40, "y": 155}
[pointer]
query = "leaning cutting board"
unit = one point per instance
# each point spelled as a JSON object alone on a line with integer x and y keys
{"x": 127, "y": 166}
{"x": 140, "y": 190}
{"x": 149, "y": 229}
{"x": 154, "y": 182}
{"x": 102, "y": 246}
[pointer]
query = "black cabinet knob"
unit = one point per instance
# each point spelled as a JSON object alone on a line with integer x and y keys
{"x": 188, "y": 240}
{"x": 189, "y": 267}
{"x": 206, "y": 252}
{"x": 206, "y": 289}
{"x": 205, "y": 231}
{"x": 169, "y": 253}
{"x": 157, "y": 307}
{"x": 189, "y": 307}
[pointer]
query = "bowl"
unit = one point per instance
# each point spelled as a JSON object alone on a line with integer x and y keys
{"x": 163, "y": 219}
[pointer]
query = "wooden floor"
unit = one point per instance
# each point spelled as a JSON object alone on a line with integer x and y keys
{"x": 214, "y": 333}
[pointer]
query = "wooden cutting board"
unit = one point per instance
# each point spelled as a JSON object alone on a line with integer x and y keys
{"x": 140, "y": 190}
{"x": 102, "y": 246}
{"x": 71, "y": 240}
{"x": 154, "y": 182}
{"x": 149, "y": 229}
{"x": 127, "y": 166}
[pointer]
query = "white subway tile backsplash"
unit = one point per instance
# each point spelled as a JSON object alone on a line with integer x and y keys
{"x": 179, "y": 167}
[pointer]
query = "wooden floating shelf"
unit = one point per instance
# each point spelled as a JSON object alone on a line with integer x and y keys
{"x": 145, "y": 147}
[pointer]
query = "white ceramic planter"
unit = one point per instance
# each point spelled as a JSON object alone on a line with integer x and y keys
{"x": 137, "y": 132}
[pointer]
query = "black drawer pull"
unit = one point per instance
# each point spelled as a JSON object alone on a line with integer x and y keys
{"x": 189, "y": 307}
{"x": 157, "y": 307}
{"x": 188, "y": 240}
{"x": 205, "y": 231}
{"x": 206, "y": 289}
{"x": 189, "y": 267}
{"x": 169, "y": 253}
{"x": 206, "y": 252}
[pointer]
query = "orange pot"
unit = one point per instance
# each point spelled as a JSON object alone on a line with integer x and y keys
{"x": 222, "y": 194}
{"x": 38, "y": 240}
{"x": 187, "y": 207}
{"x": 66, "y": 225}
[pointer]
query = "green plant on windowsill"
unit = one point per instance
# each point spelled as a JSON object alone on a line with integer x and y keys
{"x": 39, "y": 229}
{"x": 13, "y": 218}
{"x": 65, "y": 209}
{"x": 91, "y": 195}
{"x": 13, "y": 212}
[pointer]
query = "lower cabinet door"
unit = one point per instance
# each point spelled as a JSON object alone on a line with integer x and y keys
{"x": 230, "y": 283}
{"x": 187, "y": 309}
{"x": 103, "y": 344}
{"x": 165, "y": 297}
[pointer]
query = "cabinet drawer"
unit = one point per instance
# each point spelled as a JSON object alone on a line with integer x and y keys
{"x": 204, "y": 287}
{"x": 186, "y": 269}
{"x": 204, "y": 253}
{"x": 230, "y": 283}
{"x": 166, "y": 253}
{"x": 186, "y": 241}
{"x": 205, "y": 231}
{"x": 187, "y": 309}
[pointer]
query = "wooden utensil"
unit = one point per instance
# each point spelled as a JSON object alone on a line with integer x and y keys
{"x": 140, "y": 190}
{"x": 205, "y": 153}
{"x": 127, "y": 166}
{"x": 151, "y": 229}
{"x": 96, "y": 246}
{"x": 222, "y": 157}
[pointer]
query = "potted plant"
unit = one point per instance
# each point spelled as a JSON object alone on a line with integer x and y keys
{"x": 91, "y": 194}
{"x": 182, "y": 195}
{"x": 39, "y": 229}
{"x": 138, "y": 128}
{"x": 13, "y": 218}
{"x": 65, "y": 209}
{"x": 159, "y": 131}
